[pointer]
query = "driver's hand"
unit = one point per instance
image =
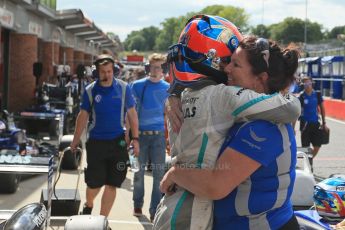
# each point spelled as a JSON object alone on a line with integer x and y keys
{"x": 166, "y": 185}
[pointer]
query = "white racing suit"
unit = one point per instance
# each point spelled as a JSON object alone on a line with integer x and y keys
{"x": 208, "y": 115}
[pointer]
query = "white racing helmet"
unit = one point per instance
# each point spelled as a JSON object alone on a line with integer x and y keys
{"x": 329, "y": 198}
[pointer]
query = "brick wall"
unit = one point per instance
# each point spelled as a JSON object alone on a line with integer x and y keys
{"x": 69, "y": 57}
{"x": 78, "y": 59}
{"x": 87, "y": 59}
{"x": 48, "y": 73}
{"x": 21, "y": 79}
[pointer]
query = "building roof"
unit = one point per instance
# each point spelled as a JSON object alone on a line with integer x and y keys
{"x": 74, "y": 21}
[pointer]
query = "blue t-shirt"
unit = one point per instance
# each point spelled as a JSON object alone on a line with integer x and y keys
{"x": 150, "y": 98}
{"x": 263, "y": 200}
{"x": 309, "y": 109}
{"x": 106, "y": 120}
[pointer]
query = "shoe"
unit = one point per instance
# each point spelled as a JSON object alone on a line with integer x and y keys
{"x": 137, "y": 212}
{"x": 86, "y": 210}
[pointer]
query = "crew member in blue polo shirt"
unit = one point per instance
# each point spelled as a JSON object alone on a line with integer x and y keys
{"x": 150, "y": 94}
{"x": 311, "y": 103}
{"x": 252, "y": 182}
{"x": 106, "y": 101}
{"x": 267, "y": 191}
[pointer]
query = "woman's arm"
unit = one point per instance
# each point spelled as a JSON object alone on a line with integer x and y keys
{"x": 232, "y": 168}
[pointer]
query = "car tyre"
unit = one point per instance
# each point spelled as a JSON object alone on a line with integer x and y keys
{"x": 9, "y": 182}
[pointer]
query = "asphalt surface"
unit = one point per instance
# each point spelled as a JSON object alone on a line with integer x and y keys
{"x": 331, "y": 157}
{"x": 330, "y": 160}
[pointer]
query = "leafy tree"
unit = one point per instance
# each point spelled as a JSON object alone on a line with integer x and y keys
{"x": 261, "y": 31}
{"x": 172, "y": 27}
{"x": 314, "y": 32}
{"x": 236, "y": 15}
{"x": 292, "y": 30}
{"x": 150, "y": 34}
{"x": 289, "y": 30}
{"x": 145, "y": 36}
{"x": 336, "y": 31}
{"x": 129, "y": 38}
{"x": 137, "y": 42}
{"x": 167, "y": 37}
{"x": 212, "y": 10}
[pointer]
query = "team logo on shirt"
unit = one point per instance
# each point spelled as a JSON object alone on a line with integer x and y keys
{"x": 98, "y": 98}
{"x": 340, "y": 188}
{"x": 188, "y": 107}
{"x": 240, "y": 91}
{"x": 256, "y": 137}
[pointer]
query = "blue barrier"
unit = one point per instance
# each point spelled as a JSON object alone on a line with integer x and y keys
{"x": 327, "y": 72}
{"x": 337, "y": 88}
{"x": 334, "y": 65}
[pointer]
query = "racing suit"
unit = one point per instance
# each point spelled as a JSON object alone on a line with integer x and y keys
{"x": 208, "y": 114}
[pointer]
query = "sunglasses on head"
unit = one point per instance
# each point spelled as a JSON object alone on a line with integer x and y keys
{"x": 307, "y": 83}
{"x": 263, "y": 46}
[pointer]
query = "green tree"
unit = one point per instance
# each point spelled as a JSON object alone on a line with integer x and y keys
{"x": 150, "y": 34}
{"x": 127, "y": 41}
{"x": 292, "y": 30}
{"x": 172, "y": 27}
{"x": 261, "y": 31}
{"x": 336, "y": 31}
{"x": 167, "y": 37}
{"x": 236, "y": 15}
{"x": 145, "y": 36}
{"x": 137, "y": 42}
{"x": 212, "y": 10}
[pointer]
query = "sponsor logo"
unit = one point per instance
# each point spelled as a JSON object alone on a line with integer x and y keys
{"x": 41, "y": 217}
{"x": 256, "y": 137}
{"x": 250, "y": 144}
{"x": 98, "y": 98}
{"x": 191, "y": 100}
{"x": 189, "y": 112}
{"x": 240, "y": 91}
{"x": 16, "y": 159}
{"x": 341, "y": 188}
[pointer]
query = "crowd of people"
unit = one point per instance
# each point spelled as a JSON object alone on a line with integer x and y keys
{"x": 224, "y": 89}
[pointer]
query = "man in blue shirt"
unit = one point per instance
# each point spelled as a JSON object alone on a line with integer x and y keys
{"x": 106, "y": 100}
{"x": 311, "y": 103}
{"x": 150, "y": 94}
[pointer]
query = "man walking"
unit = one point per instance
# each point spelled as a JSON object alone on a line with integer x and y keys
{"x": 106, "y": 100}
{"x": 311, "y": 103}
{"x": 150, "y": 94}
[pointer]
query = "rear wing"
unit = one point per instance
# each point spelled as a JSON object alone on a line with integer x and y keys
{"x": 14, "y": 163}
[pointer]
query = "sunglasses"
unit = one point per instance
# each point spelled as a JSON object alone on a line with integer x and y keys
{"x": 263, "y": 46}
